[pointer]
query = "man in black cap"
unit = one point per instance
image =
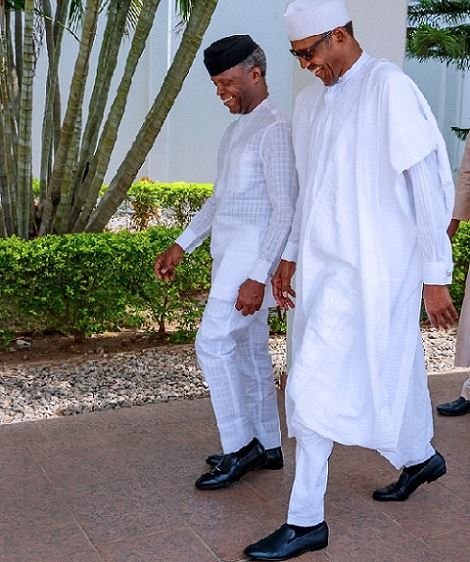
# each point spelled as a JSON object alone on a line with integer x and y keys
{"x": 249, "y": 219}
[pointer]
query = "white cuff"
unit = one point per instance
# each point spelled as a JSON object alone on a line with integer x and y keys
{"x": 260, "y": 271}
{"x": 185, "y": 239}
{"x": 437, "y": 273}
{"x": 290, "y": 252}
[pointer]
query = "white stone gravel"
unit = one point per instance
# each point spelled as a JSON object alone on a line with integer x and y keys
{"x": 30, "y": 392}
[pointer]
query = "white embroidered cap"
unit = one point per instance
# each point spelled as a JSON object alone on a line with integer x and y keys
{"x": 305, "y": 18}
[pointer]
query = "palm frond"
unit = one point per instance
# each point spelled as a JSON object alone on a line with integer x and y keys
{"x": 133, "y": 15}
{"x": 76, "y": 11}
{"x": 184, "y": 8}
{"x": 461, "y": 133}
{"x": 14, "y": 4}
{"x": 444, "y": 12}
{"x": 450, "y": 45}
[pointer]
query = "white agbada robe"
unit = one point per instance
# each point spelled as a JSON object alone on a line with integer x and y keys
{"x": 249, "y": 218}
{"x": 357, "y": 375}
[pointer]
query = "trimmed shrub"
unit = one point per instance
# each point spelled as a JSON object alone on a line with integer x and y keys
{"x": 89, "y": 283}
{"x": 83, "y": 284}
{"x": 181, "y": 200}
{"x": 461, "y": 252}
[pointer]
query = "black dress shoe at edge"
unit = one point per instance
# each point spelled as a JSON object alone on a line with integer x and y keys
{"x": 434, "y": 468}
{"x": 286, "y": 543}
{"x": 233, "y": 466}
{"x": 457, "y": 407}
{"x": 274, "y": 459}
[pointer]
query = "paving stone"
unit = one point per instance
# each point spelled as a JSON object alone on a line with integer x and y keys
{"x": 119, "y": 487}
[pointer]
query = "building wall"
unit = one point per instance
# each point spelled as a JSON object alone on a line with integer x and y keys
{"x": 447, "y": 90}
{"x": 186, "y": 148}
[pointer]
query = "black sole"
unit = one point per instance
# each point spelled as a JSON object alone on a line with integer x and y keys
{"x": 432, "y": 478}
{"x": 320, "y": 546}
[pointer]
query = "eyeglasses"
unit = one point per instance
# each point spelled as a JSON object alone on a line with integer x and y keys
{"x": 307, "y": 54}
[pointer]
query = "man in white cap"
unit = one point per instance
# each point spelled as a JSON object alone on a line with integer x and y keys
{"x": 249, "y": 218}
{"x": 376, "y": 197}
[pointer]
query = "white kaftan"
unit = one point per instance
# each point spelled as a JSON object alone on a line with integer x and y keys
{"x": 363, "y": 251}
{"x": 249, "y": 218}
{"x": 250, "y": 214}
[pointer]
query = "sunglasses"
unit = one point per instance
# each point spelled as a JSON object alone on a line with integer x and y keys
{"x": 307, "y": 54}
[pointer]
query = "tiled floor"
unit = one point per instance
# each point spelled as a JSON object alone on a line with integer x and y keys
{"x": 118, "y": 487}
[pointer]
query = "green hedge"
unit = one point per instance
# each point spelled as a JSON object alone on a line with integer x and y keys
{"x": 149, "y": 198}
{"x": 182, "y": 200}
{"x": 90, "y": 283}
{"x": 461, "y": 252}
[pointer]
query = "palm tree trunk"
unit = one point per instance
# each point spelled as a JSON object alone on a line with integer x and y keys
{"x": 8, "y": 157}
{"x": 13, "y": 84}
{"x": 73, "y": 110}
{"x": 54, "y": 35}
{"x": 19, "y": 45}
{"x": 3, "y": 227}
{"x": 199, "y": 21}
{"x": 25, "y": 124}
{"x": 7, "y": 168}
{"x": 114, "y": 32}
{"x": 64, "y": 208}
{"x": 8, "y": 139}
{"x": 88, "y": 193}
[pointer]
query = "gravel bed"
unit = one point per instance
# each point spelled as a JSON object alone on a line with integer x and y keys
{"x": 30, "y": 392}
{"x": 122, "y": 219}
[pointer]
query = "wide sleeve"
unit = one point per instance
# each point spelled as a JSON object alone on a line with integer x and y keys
{"x": 411, "y": 133}
{"x": 301, "y": 121}
{"x": 281, "y": 183}
{"x": 433, "y": 215}
{"x": 292, "y": 247}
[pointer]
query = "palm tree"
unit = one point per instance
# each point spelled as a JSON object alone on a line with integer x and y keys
{"x": 440, "y": 30}
{"x": 75, "y": 154}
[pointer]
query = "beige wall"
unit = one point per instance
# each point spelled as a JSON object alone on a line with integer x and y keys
{"x": 187, "y": 146}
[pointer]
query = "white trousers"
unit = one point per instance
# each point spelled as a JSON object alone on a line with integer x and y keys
{"x": 233, "y": 354}
{"x": 306, "y": 506}
{"x": 466, "y": 389}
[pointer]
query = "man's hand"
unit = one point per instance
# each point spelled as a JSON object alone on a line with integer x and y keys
{"x": 165, "y": 263}
{"x": 453, "y": 227}
{"x": 439, "y": 306}
{"x": 282, "y": 287}
{"x": 250, "y": 297}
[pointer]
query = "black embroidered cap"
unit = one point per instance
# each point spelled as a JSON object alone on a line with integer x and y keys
{"x": 227, "y": 53}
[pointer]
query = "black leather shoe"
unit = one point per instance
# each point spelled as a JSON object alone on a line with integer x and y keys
{"x": 399, "y": 491}
{"x": 233, "y": 466}
{"x": 274, "y": 459}
{"x": 458, "y": 407}
{"x": 286, "y": 543}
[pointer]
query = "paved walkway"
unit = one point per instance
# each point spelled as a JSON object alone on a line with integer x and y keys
{"x": 118, "y": 487}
